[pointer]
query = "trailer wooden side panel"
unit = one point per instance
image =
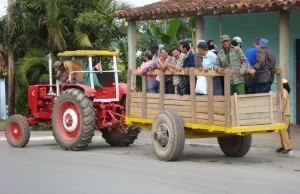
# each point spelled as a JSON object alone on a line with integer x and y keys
{"x": 255, "y": 109}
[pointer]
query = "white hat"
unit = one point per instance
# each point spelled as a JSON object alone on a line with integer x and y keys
{"x": 238, "y": 39}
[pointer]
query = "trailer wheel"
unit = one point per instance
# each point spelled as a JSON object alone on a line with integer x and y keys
{"x": 235, "y": 146}
{"x": 168, "y": 136}
{"x": 73, "y": 120}
{"x": 17, "y": 131}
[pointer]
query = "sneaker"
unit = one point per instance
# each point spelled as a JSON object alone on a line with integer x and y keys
{"x": 286, "y": 151}
{"x": 279, "y": 150}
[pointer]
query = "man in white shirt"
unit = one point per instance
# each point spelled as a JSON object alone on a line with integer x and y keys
{"x": 209, "y": 59}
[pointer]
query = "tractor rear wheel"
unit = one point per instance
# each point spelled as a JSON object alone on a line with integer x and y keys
{"x": 121, "y": 137}
{"x": 73, "y": 120}
{"x": 235, "y": 146}
{"x": 17, "y": 131}
{"x": 168, "y": 136}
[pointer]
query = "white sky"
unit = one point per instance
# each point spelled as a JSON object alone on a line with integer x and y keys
{"x": 136, "y": 3}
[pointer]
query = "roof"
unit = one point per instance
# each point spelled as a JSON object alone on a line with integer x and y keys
{"x": 178, "y": 8}
{"x": 87, "y": 53}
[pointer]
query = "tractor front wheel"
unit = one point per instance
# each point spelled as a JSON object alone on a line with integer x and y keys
{"x": 17, "y": 131}
{"x": 73, "y": 120}
{"x": 235, "y": 146}
{"x": 121, "y": 137}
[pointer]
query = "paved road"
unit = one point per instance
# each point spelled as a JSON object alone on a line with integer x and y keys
{"x": 44, "y": 168}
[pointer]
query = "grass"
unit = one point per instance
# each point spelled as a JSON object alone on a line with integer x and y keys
{"x": 2, "y": 125}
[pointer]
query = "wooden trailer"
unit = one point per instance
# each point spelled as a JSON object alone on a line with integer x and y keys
{"x": 232, "y": 119}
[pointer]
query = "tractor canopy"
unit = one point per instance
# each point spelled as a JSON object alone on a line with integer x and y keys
{"x": 87, "y": 53}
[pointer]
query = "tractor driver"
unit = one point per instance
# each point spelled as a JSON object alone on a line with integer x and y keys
{"x": 68, "y": 67}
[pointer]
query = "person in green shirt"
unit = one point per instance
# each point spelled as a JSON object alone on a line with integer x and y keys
{"x": 234, "y": 59}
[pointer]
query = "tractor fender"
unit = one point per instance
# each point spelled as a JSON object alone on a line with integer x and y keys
{"x": 88, "y": 91}
{"x": 123, "y": 90}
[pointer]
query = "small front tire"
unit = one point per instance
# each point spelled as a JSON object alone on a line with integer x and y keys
{"x": 17, "y": 131}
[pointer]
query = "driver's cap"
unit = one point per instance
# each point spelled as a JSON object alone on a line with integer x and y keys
{"x": 57, "y": 64}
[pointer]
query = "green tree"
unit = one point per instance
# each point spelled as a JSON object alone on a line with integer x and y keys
{"x": 167, "y": 36}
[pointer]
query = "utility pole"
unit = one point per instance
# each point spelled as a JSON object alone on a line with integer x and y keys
{"x": 11, "y": 66}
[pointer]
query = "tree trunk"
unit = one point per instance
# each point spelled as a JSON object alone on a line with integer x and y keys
{"x": 11, "y": 69}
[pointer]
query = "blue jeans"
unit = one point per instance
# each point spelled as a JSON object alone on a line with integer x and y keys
{"x": 261, "y": 88}
{"x": 152, "y": 86}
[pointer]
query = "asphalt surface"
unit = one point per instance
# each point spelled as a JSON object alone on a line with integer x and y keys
{"x": 44, "y": 168}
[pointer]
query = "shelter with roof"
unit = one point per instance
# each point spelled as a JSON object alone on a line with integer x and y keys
{"x": 276, "y": 20}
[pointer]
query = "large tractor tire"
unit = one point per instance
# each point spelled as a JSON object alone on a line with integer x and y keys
{"x": 73, "y": 120}
{"x": 168, "y": 136}
{"x": 235, "y": 146}
{"x": 121, "y": 137}
{"x": 17, "y": 131}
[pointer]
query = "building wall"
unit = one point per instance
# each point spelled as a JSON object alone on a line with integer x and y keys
{"x": 252, "y": 26}
{"x": 294, "y": 34}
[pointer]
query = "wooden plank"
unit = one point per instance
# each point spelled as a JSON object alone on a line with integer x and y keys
{"x": 236, "y": 110}
{"x": 202, "y": 98}
{"x": 252, "y": 122}
{"x": 232, "y": 113}
{"x": 280, "y": 106}
{"x": 227, "y": 98}
{"x": 217, "y": 117}
{"x": 149, "y": 101}
{"x": 128, "y": 93}
{"x": 144, "y": 96}
{"x": 245, "y": 102}
{"x": 193, "y": 94}
{"x": 220, "y": 111}
{"x": 209, "y": 73}
{"x": 210, "y": 92}
{"x": 260, "y": 109}
{"x": 280, "y": 91}
{"x": 255, "y": 115}
{"x": 253, "y": 95}
{"x": 161, "y": 90}
{"x": 139, "y": 111}
{"x": 199, "y": 98}
{"x": 177, "y": 103}
{"x": 215, "y": 104}
{"x": 271, "y": 108}
{"x": 167, "y": 72}
{"x": 149, "y": 106}
{"x": 178, "y": 108}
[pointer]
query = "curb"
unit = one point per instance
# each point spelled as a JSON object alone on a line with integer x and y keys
{"x": 261, "y": 151}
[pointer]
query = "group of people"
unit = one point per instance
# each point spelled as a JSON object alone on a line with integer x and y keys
{"x": 258, "y": 64}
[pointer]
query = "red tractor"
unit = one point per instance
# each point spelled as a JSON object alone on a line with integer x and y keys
{"x": 75, "y": 110}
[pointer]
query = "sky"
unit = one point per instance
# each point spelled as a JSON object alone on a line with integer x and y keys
{"x": 136, "y": 3}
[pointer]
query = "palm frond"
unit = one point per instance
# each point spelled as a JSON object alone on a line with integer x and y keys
{"x": 82, "y": 39}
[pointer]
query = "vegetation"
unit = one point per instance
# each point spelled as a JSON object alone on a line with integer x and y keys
{"x": 44, "y": 27}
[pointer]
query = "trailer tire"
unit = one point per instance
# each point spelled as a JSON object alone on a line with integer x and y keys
{"x": 235, "y": 146}
{"x": 168, "y": 136}
{"x": 73, "y": 120}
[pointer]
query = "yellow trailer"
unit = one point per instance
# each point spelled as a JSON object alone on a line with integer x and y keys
{"x": 174, "y": 118}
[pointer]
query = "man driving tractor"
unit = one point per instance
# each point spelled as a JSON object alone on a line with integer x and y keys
{"x": 68, "y": 67}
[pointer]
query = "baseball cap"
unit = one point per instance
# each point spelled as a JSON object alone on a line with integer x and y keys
{"x": 202, "y": 45}
{"x": 225, "y": 37}
{"x": 264, "y": 42}
{"x": 57, "y": 64}
{"x": 284, "y": 81}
